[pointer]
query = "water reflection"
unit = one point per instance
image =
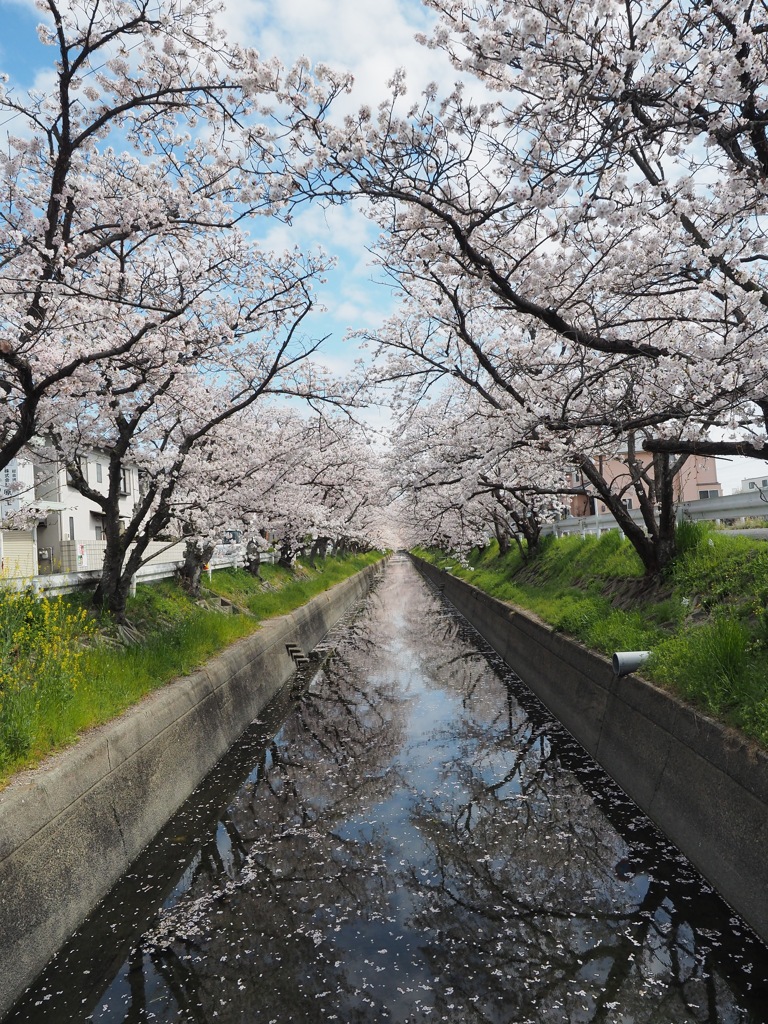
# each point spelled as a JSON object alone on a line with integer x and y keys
{"x": 418, "y": 842}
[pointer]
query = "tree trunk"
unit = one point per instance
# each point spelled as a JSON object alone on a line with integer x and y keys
{"x": 253, "y": 559}
{"x": 319, "y": 549}
{"x": 502, "y": 533}
{"x": 114, "y": 586}
{"x": 656, "y": 547}
{"x": 197, "y": 554}
{"x": 286, "y": 554}
{"x": 665, "y": 473}
{"x": 530, "y": 527}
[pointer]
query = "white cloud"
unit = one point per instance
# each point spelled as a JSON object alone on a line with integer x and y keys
{"x": 370, "y": 38}
{"x": 352, "y": 299}
{"x": 342, "y": 229}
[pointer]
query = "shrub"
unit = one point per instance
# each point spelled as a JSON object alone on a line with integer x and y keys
{"x": 690, "y": 535}
{"x": 40, "y": 665}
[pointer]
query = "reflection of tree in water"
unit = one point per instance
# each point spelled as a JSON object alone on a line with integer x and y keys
{"x": 265, "y": 936}
{"x": 417, "y": 844}
{"x": 536, "y": 909}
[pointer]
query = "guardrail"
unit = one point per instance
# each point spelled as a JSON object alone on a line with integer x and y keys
{"x": 725, "y": 508}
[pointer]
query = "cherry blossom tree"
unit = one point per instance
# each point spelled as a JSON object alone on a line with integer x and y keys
{"x": 156, "y": 131}
{"x": 658, "y": 120}
{"x": 583, "y": 243}
{"x": 650, "y": 115}
{"x": 326, "y": 490}
{"x": 265, "y": 471}
{"x": 467, "y": 474}
{"x": 576, "y": 415}
{"x": 155, "y": 406}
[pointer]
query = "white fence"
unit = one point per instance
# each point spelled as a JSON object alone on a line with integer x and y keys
{"x": 728, "y": 508}
{"x": 159, "y": 566}
{"x": 82, "y": 556}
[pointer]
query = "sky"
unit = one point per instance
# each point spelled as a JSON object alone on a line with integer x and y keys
{"x": 370, "y": 38}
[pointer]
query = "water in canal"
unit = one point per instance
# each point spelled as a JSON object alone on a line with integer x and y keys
{"x": 411, "y": 839}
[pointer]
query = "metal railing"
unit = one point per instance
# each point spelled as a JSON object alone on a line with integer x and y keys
{"x": 727, "y": 508}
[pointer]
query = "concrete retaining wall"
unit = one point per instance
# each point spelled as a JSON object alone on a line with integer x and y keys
{"x": 70, "y": 829}
{"x": 706, "y": 788}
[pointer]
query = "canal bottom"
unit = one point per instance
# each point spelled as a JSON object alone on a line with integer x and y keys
{"x": 410, "y": 838}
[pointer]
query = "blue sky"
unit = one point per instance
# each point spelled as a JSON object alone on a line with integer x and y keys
{"x": 371, "y": 38}
{"x": 20, "y": 51}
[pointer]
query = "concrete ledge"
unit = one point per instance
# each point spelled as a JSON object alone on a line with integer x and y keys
{"x": 71, "y": 828}
{"x": 704, "y": 786}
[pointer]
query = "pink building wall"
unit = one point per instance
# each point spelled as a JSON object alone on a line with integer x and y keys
{"x": 697, "y": 479}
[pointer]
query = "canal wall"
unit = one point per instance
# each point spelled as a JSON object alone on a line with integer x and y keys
{"x": 703, "y": 785}
{"x": 71, "y": 828}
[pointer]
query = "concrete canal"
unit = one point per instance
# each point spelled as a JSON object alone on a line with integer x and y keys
{"x": 410, "y": 838}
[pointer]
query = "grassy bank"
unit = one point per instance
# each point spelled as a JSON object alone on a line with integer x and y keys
{"x": 62, "y": 672}
{"x": 705, "y": 623}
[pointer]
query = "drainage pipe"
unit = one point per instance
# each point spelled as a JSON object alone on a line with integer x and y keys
{"x": 625, "y": 662}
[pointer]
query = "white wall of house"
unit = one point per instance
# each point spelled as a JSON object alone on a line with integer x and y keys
{"x": 17, "y": 486}
{"x": 72, "y": 537}
{"x": 754, "y": 483}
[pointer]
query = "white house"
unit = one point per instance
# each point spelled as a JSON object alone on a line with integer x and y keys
{"x": 754, "y": 483}
{"x": 17, "y": 486}
{"x": 18, "y": 557}
{"x": 71, "y": 535}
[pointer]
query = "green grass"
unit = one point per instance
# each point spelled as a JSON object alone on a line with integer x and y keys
{"x": 282, "y": 591}
{"x": 92, "y": 675}
{"x": 705, "y": 622}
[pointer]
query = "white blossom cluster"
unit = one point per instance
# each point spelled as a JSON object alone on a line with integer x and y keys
{"x": 582, "y": 246}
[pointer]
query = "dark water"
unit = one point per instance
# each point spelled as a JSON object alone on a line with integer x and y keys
{"x": 419, "y": 841}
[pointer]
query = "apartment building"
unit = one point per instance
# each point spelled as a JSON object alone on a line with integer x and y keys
{"x": 18, "y": 546}
{"x": 17, "y": 487}
{"x": 696, "y": 480}
{"x": 754, "y": 483}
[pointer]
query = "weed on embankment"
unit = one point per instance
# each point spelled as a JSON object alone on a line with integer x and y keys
{"x": 63, "y": 671}
{"x": 705, "y": 622}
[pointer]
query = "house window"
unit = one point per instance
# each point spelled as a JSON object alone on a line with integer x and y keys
{"x": 71, "y": 528}
{"x": 98, "y": 473}
{"x": 709, "y": 494}
{"x": 97, "y": 525}
{"x": 125, "y": 481}
{"x": 752, "y": 485}
{"x": 627, "y": 503}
